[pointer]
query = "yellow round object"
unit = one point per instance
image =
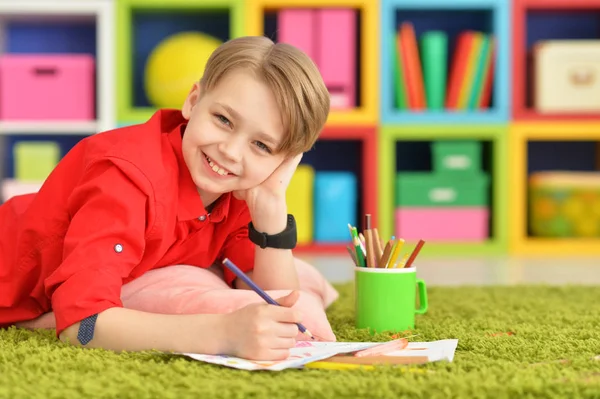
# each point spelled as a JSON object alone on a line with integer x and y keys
{"x": 174, "y": 65}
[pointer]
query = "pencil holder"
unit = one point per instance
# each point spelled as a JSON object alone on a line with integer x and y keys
{"x": 385, "y": 299}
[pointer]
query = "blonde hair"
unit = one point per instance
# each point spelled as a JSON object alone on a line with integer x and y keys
{"x": 291, "y": 75}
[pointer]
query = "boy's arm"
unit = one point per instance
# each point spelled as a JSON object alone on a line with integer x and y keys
{"x": 121, "y": 329}
{"x": 111, "y": 213}
{"x": 274, "y": 268}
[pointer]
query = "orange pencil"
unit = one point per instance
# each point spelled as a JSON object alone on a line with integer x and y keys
{"x": 414, "y": 253}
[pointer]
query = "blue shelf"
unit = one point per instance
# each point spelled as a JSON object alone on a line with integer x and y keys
{"x": 491, "y": 16}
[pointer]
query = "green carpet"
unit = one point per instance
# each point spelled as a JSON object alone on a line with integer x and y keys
{"x": 513, "y": 342}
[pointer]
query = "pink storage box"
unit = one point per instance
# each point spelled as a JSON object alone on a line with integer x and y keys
{"x": 328, "y": 37}
{"x": 297, "y": 26}
{"x": 443, "y": 224}
{"x": 337, "y": 54}
{"x": 47, "y": 87}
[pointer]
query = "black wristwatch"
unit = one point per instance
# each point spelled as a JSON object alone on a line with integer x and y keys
{"x": 287, "y": 239}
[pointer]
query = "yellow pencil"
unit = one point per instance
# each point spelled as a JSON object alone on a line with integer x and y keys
{"x": 337, "y": 366}
{"x": 395, "y": 253}
{"x": 403, "y": 261}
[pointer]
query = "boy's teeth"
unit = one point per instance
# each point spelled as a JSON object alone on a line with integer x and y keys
{"x": 214, "y": 167}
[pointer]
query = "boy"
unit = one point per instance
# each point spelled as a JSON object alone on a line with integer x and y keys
{"x": 181, "y": 188}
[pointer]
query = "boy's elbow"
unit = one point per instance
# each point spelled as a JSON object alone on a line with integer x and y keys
{"x": 69, "y": 334}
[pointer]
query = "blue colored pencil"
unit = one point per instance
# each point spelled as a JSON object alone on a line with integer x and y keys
{"x": 240, "y": 274}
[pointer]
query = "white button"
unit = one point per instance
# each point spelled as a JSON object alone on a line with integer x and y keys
{"x": 118, "y": 248}
{"x": 202, "y": 218}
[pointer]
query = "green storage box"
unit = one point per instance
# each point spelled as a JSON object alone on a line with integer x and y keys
{"x": 564, "y": 204}
{"x": 34, "y": 160}
{"x": 456, "y": 156}
{"x": 423, "y": 189}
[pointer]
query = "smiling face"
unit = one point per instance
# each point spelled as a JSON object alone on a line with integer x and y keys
{"x": 233, "y": 135}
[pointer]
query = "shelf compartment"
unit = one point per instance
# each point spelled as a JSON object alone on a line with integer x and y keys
{"x": 415, "y": 156}
{"x": 31, "y": 26}
{"x": 362, "y": 143}
{"x": 452, "y": 18}
{"x": 260, "y": 17}
{"x": 536, "y": 21}
{"x": 143, "y": 24}
{"x": 528, "y": 141}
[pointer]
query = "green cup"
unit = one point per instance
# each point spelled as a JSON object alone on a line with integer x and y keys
{"x": 386, "y": 299}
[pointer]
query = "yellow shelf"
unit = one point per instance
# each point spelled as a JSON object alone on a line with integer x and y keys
{"x": 520, "y": 134}
{"x": 368, "y": 112}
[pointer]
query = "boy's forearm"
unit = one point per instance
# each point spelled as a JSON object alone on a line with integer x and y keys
{"x": 274, "y": 268}
{"x": 121, "y": 329}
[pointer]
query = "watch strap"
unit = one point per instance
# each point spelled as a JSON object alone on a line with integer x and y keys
{"x": 287, "y": 239}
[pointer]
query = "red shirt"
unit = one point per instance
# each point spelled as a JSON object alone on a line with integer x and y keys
{"x": 119, "y": 204}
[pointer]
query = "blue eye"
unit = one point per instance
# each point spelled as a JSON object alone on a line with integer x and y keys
{"x": 263, "y": 147}
{"x": 223, "y": 120}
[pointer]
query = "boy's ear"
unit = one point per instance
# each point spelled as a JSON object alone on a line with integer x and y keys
{"x": 191, "y": 100}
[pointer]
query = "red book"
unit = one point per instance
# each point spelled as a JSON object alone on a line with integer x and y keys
{"x": 458, "y": 68}
{"x": 413, "y": 74}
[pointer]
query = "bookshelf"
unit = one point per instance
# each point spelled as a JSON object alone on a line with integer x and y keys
{"x": 495, "y": 147}
{"x": 66, "y": 26}
{"x": 142, "y": 24}
{"x": 522, "y": 135}
{"x": 488, "y": 16}
{"x": 366, "y": 113}
{"x": 536, "y": 20}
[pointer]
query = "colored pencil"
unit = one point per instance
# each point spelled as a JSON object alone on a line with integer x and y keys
{"x": 386, "y": 254}
{"x": 240, "y": 274}
{"x": 414, "y": 253}
{"x": 378, "y": 246}
{"x": 360, "y": 258}
{"x": 395, "y": 253}
{"x": 352, "y": 255}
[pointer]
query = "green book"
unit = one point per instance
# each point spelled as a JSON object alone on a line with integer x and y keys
{"x": 399, "y": 89}
{"x": 434, "y": 50}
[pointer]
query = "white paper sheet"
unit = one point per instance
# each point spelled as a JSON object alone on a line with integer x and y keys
{"x": 306, "y": 352}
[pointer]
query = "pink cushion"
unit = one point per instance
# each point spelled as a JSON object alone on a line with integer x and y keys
{"x": 187, "y": 289}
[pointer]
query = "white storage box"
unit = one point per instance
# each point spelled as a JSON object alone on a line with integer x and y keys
{"x": 567, "y": 76}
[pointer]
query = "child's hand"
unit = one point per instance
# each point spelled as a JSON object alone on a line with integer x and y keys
{"x": 262, "y": 331}
{"x": 269, "y": 197}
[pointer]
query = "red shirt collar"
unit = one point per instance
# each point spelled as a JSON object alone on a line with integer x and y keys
{"x": 190, "y": 205}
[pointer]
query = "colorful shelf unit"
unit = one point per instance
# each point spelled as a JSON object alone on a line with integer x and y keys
{"x": 143, "y": 24}
{"x": 343, "y": 145}
{"x": 522, "y": 136}
{"x": 535, "y": 21}
{"x": 334, "y": 59}
{"x": 58, "y": 84}
{"x": 437, "y": 26}
{"x": 467, "y": 191}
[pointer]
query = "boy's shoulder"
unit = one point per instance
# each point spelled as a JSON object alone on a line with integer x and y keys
{"x": 140, "y": 142}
